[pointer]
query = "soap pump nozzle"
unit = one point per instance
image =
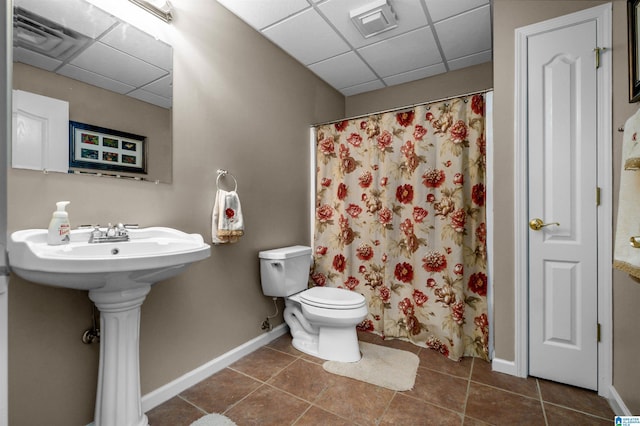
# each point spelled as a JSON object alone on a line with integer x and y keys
{"x": 61, "y": 206}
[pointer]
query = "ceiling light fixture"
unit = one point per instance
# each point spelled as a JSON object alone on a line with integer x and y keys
{"x": 374, "y": 18}
{"x": 159, "y": 8}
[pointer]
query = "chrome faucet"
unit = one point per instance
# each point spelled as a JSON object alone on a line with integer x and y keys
{"x": 112, "y": 233}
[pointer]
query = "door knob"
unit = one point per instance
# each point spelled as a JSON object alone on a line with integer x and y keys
{"x": 537, "y": 224}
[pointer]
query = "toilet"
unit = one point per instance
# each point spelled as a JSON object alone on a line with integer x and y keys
{"x": 322, "y": 320}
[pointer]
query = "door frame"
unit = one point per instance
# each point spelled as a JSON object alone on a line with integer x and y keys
{"x": 602, "y": 15}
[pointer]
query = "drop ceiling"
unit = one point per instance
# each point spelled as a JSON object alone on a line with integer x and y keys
{"x": 78, "y": 40}
{"x": 432, "y": 37}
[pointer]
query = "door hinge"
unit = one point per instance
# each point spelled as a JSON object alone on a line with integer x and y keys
{"x": 597, "y": 51}
{"x": 599, "y": 332}
{"x": 597, "y": 195}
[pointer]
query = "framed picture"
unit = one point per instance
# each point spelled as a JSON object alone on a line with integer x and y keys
{"x": 92, "y": 147}
{"x": 633, "y": 14}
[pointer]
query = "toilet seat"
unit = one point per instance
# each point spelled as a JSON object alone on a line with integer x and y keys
{"x": 331, "y": 298}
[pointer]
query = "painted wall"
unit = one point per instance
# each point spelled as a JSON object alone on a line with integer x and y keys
{"x": 240, "y": 104}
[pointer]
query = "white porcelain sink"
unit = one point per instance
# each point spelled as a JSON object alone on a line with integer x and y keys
{"x": 151, "y": 255}
{"x": 118, "y": 276}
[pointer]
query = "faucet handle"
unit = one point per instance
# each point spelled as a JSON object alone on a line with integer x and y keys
{"x": 111, "y": 230}
{"x": 121, "y": 230}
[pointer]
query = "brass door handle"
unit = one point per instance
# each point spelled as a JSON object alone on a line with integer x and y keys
{"x": 635, "y": 241}
{"x": 537, "y": 224}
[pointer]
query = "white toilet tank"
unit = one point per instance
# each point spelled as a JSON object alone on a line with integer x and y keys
{"x": 285, "y": 271}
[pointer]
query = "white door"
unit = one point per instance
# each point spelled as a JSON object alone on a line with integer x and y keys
{"x": 562, "y": 152}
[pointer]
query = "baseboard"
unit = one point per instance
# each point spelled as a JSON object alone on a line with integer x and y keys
{"x": 617, "y": 404}
{"x": 504, "y": 366}
{"x": 171, "y": 389}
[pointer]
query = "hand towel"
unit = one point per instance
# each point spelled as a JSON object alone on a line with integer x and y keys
{"x": 626, "y": 257}
{"x": 227, "y": 224}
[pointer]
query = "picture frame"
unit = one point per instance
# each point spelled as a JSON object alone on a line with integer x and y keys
{"x": 99, "y": 148}
{"x": 633, "y": 31}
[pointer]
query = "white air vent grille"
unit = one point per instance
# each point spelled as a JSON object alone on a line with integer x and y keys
{"x": 374, "y": 18}
{"x": 38, "y": 34}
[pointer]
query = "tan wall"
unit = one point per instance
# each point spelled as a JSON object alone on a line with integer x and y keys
{"x": 241, "y": 104}
{"x": 99, "y": 107}
{"x": 466, "y": 80}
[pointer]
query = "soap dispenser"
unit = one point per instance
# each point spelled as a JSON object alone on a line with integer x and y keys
{"x": 59, "y": 228}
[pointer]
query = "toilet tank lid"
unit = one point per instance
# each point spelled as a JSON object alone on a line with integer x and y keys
{"x": 285, "y": 252}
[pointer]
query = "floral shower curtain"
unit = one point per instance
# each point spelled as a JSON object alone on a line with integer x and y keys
{"x": 400, "y": 218}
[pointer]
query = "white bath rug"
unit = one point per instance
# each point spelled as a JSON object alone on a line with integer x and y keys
{"x": 214, "y": 420}
{"x": 393, "y": 369}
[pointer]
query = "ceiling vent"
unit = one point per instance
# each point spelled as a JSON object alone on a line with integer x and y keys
{"x": 374, "y": 18}
{"x": 38, "y": 34}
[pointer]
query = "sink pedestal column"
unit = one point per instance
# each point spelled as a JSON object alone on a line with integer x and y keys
{"x": 118, "y": 400}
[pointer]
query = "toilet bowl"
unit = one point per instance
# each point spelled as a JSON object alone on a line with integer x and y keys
{"x": 322, "y": 320}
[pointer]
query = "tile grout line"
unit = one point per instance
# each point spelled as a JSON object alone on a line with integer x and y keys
{"x": 466, "y": 398}
{"x": 544, "y": 412}
{"x": 386, "y": 408}
{"x": 192, "y": 404}
{"x": 575, "y": 410}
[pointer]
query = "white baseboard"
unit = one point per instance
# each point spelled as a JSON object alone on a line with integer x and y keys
{"x": 617, "y": 404}
{"x": 504, "y": 366}
{"x": 171, "y": 389}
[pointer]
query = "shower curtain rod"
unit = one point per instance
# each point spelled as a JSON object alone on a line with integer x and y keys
{"x": 403, "y": 107}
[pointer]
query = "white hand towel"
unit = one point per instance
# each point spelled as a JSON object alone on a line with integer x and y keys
{"x": 626, "y": 257}
{"x": 227, "y": 224}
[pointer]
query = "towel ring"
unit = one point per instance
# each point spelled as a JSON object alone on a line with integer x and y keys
{"x": 221, "y": 173}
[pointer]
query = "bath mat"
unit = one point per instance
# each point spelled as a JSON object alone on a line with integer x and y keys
{"x": 393, "y": 369}
{"x": 214, "y": 420}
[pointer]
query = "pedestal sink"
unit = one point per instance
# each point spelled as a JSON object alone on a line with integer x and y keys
{"x": 118, "y": 276}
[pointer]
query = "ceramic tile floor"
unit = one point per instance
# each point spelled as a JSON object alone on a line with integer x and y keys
{"x": 277, "y": 385}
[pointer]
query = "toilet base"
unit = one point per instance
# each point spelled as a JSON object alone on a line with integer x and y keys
{"x": 321, "y": 340}
{"x": 339, "y": 344}
{"x": 331, "y": 344}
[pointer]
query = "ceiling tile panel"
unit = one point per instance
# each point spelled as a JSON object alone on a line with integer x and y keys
{"x": 416, "y": 74}
{"x": 115, "y": 65}
{"x": 362, "y": 88}
{"x": 161, "y": 87}
{"x": 443, "y": 9}
{"x": 465, "y": 34}
{"x": 406, "y": 52}
{"x": 467, "y": 61}
{"x": 151, "y": 98}
{"x": 73, "y": 15}
{"x": 129, "y": 39}
{"x": 321, "y": 35}
{"x": 33, "y": 58}
{"x": 409, "y": 14}
{"x": 95, "y": 79}
{"x": 307, "y": 37}
{"x": 262, "y": 13}
{"x": 343, "y": 71}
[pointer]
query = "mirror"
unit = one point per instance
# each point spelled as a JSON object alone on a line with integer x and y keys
{"x": 112, "y": 74}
